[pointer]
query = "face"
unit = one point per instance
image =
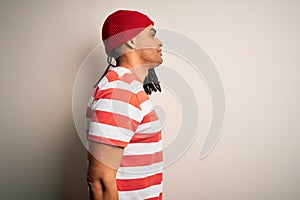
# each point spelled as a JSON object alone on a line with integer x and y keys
{"x": 148, "y": 47}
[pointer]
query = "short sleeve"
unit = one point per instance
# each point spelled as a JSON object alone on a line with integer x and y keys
{"x": 115, "y": 115}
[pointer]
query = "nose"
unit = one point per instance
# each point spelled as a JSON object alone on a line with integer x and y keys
{"x": 160, "y": 43}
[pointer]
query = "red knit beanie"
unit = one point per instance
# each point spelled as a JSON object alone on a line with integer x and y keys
{"x": 121, "y": 26}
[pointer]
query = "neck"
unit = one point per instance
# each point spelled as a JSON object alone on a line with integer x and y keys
{"x": 130, "y": 61}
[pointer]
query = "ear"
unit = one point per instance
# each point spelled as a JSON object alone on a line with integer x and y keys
{"x": 131, "y": 44}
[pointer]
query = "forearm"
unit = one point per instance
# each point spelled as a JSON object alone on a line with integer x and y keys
{"x": 102, "y": 169}
{"x": 95, "y": 190}
{"x": 100, "y": 191}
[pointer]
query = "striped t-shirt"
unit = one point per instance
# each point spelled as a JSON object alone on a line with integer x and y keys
{"x": 121, "y": 114}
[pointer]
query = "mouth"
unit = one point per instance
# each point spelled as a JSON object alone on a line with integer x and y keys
{"x": 160, "y": 52}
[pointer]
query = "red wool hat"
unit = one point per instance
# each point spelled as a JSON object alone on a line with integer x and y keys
{"x": 121, "y": 26}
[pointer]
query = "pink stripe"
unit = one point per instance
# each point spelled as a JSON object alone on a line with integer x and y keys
{"x": 104, "y": 140}
{"x": 141, "y": 160}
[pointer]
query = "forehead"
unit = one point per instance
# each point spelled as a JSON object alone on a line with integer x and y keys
{"x": 150, "y": 28}
{"x": 147, "y": 30}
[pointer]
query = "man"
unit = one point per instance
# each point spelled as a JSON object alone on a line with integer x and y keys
{"x": 123, "y": 131}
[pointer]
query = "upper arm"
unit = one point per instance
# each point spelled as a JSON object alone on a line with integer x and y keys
{"x": 114, "y": 115}
{"x": 113, "y": 119}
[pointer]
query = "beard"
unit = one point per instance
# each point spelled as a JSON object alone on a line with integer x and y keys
{"x": 150, "y": 57}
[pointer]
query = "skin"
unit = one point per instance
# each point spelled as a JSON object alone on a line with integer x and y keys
{"x": 139, "y": 55}
{"x": 102, "y": 168}
{"x": 142, "y": 53}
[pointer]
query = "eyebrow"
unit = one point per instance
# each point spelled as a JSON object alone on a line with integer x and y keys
{"x": 153, "y": 29}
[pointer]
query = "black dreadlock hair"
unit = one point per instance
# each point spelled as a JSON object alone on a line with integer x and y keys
{"x": 109, "y": 61}
{"x": 151, "y": 82}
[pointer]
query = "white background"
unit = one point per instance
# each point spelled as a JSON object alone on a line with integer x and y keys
{"x": 255, "y": 46}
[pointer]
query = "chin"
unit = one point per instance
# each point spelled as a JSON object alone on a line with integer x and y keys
{"x": 158, "y": 62}
{"x": 155, "y": 63}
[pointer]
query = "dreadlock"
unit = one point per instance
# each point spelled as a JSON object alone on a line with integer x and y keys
{"x": 109, "y": 61}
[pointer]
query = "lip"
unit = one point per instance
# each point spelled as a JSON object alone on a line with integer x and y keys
{"x": 159, "y": 51}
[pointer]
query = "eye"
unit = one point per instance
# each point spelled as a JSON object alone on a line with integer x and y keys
{"x": 152, "y": 32}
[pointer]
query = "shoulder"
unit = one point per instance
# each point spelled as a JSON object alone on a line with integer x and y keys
{"x": 123, "y": 78}
{"x": 122, "y": 85}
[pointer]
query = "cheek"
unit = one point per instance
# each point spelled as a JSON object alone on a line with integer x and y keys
{"x": 145, "y": 44}
{"x": 149, "y": 52}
